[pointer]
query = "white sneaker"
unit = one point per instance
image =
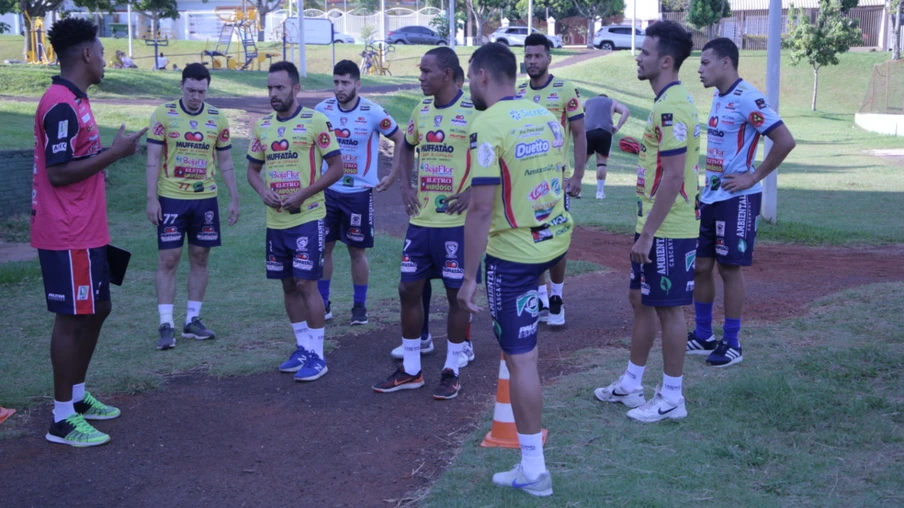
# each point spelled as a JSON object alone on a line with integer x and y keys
{"x": 600, "y": 195}
{"x": 426, "y": 348}
{"x": 541, "y": 486}
{"x": 658, "y": 409}
{"x": 467, "y": 355}
{"x": 615, "y": 392}
{"x": 556, "y": 312}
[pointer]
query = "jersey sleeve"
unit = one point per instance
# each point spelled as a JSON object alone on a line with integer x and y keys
{"x": 671, "y": 129}
{"x": 384, "y": 122}
{"x": 223, "y": 138}
{"x": 573, "y": 107}
{"x": 157, "y": 127}
{"x": 485, "y": 146}
{"x": 60, "y": 129}
{"x": 256, "y": 149}
{"x": 326, "y": 139}
{"x": 411, "y": 134}
{"x": 758, "y": 112}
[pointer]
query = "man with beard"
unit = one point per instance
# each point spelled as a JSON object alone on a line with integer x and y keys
{"x": 358, "y": 123}
{"x": 563, "y": 100}
{"x": 293, "y": 144}
{"x": 69, "y": 226}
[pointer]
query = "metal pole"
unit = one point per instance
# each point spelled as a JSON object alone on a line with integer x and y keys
{"x": 129, "y": 11}
{"x": 530, "y": 17}
{"x": 634, "y": 27}
{"x": 302, "y": 58}
{"x": 452, "y": 26}
{"x": 773, "y": 82}
{"x": 345, "y": 17}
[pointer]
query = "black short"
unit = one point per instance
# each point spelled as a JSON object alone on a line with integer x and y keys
{"x": 599, "y": 141}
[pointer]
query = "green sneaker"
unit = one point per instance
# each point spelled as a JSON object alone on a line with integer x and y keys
{"x": 93, "y": 409}
{"x": 196, "y": 330}
{"x": 75, "y": 431}
{"x": 541, "y": 486}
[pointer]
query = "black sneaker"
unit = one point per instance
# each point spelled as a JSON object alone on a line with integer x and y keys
{"x": 328, "y": 313}
{"x": 359, "y": 314}
{"x": 449, "y": 386}
{"x": 556, "y": 312}
{"x": 196, "y": 330}
{"x": 697, "y": 346}
{"x": 167, "y": 337}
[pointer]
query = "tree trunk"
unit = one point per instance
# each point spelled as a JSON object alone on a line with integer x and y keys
{"x": 815, "y": 87}
{"x": 896, "y": 33}
{"x": 590, "y": 31}
{"x": 262, "y": 26}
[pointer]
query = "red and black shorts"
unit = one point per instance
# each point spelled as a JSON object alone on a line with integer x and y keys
{"x": 75, "y": 280}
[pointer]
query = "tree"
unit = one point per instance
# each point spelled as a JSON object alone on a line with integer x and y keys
{"x": 591, "y": 10}
{"x": 265, "y": 7}
{"x": 895, "y": 8}
{"x": 482, "y": 11}
{"x": 154, "y": 9}
{"x": 675, "y": 5}
{"x": 706, "y": 13}
{"x": 820, "y": 43}
{"x": 33, "y": 9}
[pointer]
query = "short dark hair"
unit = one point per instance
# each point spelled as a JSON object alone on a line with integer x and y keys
{"x": 537, "y": 39}
{"x": 290, "y": 69}
{"x": 674, "y": 41}
{"x": 195, "y": 71}
{"x": 71, "y": 34}
{"x": 458, "y": 75}
{"x": 497, "y": 59}
{"x": 724, "y": 47}
{"x": 445, "y": 58}
{"x": 344, "y": 67}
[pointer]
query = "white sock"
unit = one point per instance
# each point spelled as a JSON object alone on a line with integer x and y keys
{"x": 544, "y": 296}
{"x": 600, "y": 186}
{"x": 453, "y": 352}
{"x": 317, "y": 341}
{"x": 412, "y": 359}
{"x": 193, "y": 310}
{"x": 556, "y": 288}
{"x": 166, "y": 313}
{"x": 633, "y": 378}
{"x": 78, "y": 392}
{"x": 671, "y": 388}
{"x": 302, "y": 336}
{"x": 532, "y": 461}
{"x": 62, "y": 410}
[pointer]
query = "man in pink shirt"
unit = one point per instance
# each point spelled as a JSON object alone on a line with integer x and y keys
{"x": 69, "y": 226}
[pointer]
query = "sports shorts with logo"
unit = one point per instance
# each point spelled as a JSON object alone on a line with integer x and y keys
{"x": 350, "y": 218}
{"x": 728, "y": 229}
{"x": 514, "y": 302}
{"x": 197, "y": 218}
{"x": 296, "y": 252}
{"x": 669, "y": 280}
{"x": 75, "y": 280}
{"x": 434, "y": 253}
{"x": 599, "y": 141}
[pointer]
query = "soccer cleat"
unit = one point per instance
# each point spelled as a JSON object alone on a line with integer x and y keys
{"x": 467, "y": 355}
{"x": 615, "y": 392}
{"x": 449, "y": 385}
{"x": 696, "y": 346}
{"x": 658, "y": 409}
{"x": 541, "y": 486}
{"x": 76, "y": 431}
{"x": 328, "y": 312}
{"x": 93, "y": 409}
{"x": 296, "y": 361}
{"x": 544, "y": 312}
{"x": 196, "y": 330}
{"x": 556, "y": 312}
{"x": 400, "y": 380}
{"x": 313, "y": 369}
{"x": 600, "y": 195}
{"x": 725, "y": 355}
{"x": 359, "y": 314}
{"x": 426, "y": 348}
{"x": 167, "y": 338}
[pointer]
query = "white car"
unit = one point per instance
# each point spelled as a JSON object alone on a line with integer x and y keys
{"x": 515, "y": 35}
{"x": 341, "y": 38}
{"x": 617, "y": 37}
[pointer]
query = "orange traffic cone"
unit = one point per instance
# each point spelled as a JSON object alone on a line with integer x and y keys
{"x": 6, "y": 413}
{"x": 504, "y": 434}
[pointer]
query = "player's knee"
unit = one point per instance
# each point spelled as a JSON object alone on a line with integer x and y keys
{"x": 198, "y": 257}
{"x": 703, "y": 267}
{"x": 288, "y": 286}
{"x": 408, "y": 293}
{"x": 168, "y": 260}
{"x": 635, "y": 298}
{"x": 729, "y": 272}
{"x": 357, "y": 255}
{"x": 103, "y": 309}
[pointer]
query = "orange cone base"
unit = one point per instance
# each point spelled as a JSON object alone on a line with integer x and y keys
{"x": 491, "y": 441}
{"x": 6, "y": 413}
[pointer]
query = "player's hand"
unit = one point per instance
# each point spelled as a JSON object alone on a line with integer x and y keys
{"x": 384, "y": 184}
{"x": 153, "y": 211}
{"x": 271, "y": 199}
{"x": 466, "y": 296}
{"x": 738, "y": 182}
{"x": 233, "y": 212}
{"x": 409, "y": 199}
{"x": 640, "y": 251}
{"x": 573, "y": 185}
{"x": 458, "y": 203}
{"x": 294, "y": 201}
{"x": 124, "y": 144}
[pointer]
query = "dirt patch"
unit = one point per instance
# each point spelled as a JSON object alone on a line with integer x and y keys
{"x": 17, "y": 252}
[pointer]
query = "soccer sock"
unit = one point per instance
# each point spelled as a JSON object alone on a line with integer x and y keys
{"x": 544, "y": 296}
{"x": 600, "y": 185}
{"x": 633, "y": 378}
{"x": 193, "y": 310}
{"x": 78, "y": 392}
{"x": 671, "y": 388}
{"x": 556, "y": 288}
{"x": 425, "y": 299}
{"x": 731, "y": 329}
{"x": 166, "y": 313}
{"x": 703, "y": 315}
{"x": 453, "y": 352}
{"x": 532, "y": 461}
{"x": 323, "y": 286}
{"x": 302, "y": 336}
{"x": 411, "y": 362}
{"x": 317, "y": 341}
{"x": 62, "y": 410}
{"x": 360, "y": 294}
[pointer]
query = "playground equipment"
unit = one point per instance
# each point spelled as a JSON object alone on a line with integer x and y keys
{"x": 40, "y": 53}
{"x": 243, "y": 24}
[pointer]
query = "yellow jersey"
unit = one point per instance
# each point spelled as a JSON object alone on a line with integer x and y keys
{"x": 563, "y": 100}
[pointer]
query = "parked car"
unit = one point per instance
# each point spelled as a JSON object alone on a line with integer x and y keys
{"x": 515, "y": 35}
{"x": 617, "y": 37}
{"x": 341, "y": 38}
{"x": 415, "y": 35}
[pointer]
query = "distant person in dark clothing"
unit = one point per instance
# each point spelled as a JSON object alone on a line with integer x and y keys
{"x": 598, "y": 114}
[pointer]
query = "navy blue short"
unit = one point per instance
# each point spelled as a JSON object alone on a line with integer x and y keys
{"x": 669, "y": 280}
{"x": 434, "y": 253}
{"x": 198, "y": 218}
{"x": 728, "y": 229}
{"x": 75, "y": 280}
{"x": 350, "y": 218}
{"x": 296, "y": 252}
{"x": 514, "y": 302}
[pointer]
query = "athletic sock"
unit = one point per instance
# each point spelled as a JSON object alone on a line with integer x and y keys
{"x": 425, "y": 299}
{"x": 731, "y": 329}
{"x": 600, "y": 186}
{"x": 453, "y": 352}
{"x": 671, "y": 388}
{"x": 544, "y": 295}
{"x": 192, "y": 310}
{"x": 411, "y": 362}
{"x": 360, "y": 294}
{"x": 317, "y": 341}
{"x": 532, "y": 461}
{"x": 62, "y": 410}
{"x": 78, "y": 392}
{"x": 703, "y": 315}
{"x": 323, "y": 286}
{"x": 166, "y": 313}
{"x": 556, "y": 288}
{"x": 633, "y": 378}
{"x": 302, "y": 336}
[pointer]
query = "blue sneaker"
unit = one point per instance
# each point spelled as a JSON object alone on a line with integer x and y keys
{"x": 314, "y": 368}
{"x": 725, "y": 355}
{"x": 295, "y": 362}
